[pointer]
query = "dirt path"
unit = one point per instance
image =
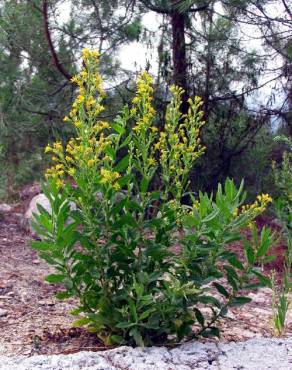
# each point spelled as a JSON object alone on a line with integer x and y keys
{"x": 32, "y": 321}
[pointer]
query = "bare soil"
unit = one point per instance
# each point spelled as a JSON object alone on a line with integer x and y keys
{"x": 32, "y": 321}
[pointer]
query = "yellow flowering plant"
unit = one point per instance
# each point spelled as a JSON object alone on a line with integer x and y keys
{"x": 120, "y": 263}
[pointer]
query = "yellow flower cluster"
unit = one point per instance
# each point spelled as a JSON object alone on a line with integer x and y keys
{"x": 86, "y": 152}
{"x": 258, "y": 206}
{"x": 142, "y": 110}
{"x": 110, "y": 177}
{"x": 179, "y": 144}
{"x": 145, "y": 132}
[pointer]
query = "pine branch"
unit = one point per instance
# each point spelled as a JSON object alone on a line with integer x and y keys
{"x": 54, "y": 55}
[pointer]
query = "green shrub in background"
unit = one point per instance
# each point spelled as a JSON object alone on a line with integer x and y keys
{"x": 283, "y": 209}
{"x": 138, "y": 279}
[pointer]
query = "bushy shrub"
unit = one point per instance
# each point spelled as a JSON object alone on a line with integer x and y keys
{"x": 283, "y": 209}
{"x": 143, "y": 266}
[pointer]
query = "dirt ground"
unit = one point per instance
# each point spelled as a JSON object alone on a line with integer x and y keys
{"x": 32, "y": 321}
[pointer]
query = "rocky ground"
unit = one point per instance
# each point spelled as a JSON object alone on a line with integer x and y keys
{"x": 33, "y": 322}
{"x": 257, "y": 354}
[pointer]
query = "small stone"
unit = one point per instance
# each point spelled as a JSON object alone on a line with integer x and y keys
{"x": 36, "y": 262}
{"x": 3, "y": 312}
{"x": 46, "y": 303}
{"x": 5, "y": 208}
{"x": 230, "y": 315}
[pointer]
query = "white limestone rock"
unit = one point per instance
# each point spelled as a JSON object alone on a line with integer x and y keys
{"x": 257, "y": 354}
{"x": 42, "y": 200}
{"x": 5, "y": 208}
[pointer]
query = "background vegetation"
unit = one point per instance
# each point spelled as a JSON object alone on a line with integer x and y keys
{"x": 228, "y": 52}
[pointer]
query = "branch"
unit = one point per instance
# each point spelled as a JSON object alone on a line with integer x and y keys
{"x": 288, "y": 10}
{"x": 50, "y": 115}
{"x": 235, "y": 96}
{"x": 55, "y": 58}
{"x": 155, "y": 8}
{"x": 199, "y": 9}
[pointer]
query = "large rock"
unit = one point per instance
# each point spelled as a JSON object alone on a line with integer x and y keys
{"x": 255, "y": 354}
{"x": 32, "y": 209}
{"x": 40, "y": 199}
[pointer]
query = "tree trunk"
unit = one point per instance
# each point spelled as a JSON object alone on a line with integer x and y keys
{"x": 179, "y": 54}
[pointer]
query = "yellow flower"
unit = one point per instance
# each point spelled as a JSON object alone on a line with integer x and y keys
{"x": 60, "y": 183}
{"x": 66, "y": 119}
{"x": 74, "y": 79}
{"x": 84, "y": 74}
{"x": 90, "y": 102}
{"x": 77, "y": 123}
{"x": 108, "y": 176}
{"x": 151, "y": 161}
{"x": 95, "y": 53}
{"x": 90, "y": 163}
{"x": 71, "y": 171}
{"x": 116, "y": 186}
{"x": 265, "y": 198}
{"x": 58, "y": 146}
{"x": 105, "y": 125}
{"x": 196, "y": 205}
{"x": 48, "y": 149}
{"x": 133, "y": 111}
{"x": 69, "y": 159}
{"x": 80, "y": 99}
{"x": 85, "y": 53}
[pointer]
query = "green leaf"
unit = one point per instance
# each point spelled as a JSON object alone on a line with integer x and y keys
{"x": 55, "y": 278}
{"x": 190, "y": 221}
{"x": 43, "y": 246}
{"x": 110, "y": 152}
{"x": 211, "y": 216}
{"x": 137, "y": 337}
{"x": 239, "y": 301}
{"x": 123, "y": 164}
{"x": 144, "y": 185}
{"x": 199, "y": 317}
{"x": 236, "y": 263}
{"x": 63, "y": 295}
{"x": 124, "y": 180}
{"x": 264, "y": 243}
{"x": 126, "y": 141}
{"x": 119, "y": 206}
{"x": 81, "y": 322}
{"x": 125, "y": 325}
{"x": 211, "y": 332}
{"x": 133, "y": 309}
{"x": 263, "y": 279}
{"x": 249, "y": 253}
{"x": 209, "y": 300}
{"x": 221, "y": 290}
{"x": 125, "y": 220}
{"x": 155, "y": 195}
{"x": 118, "y": 128}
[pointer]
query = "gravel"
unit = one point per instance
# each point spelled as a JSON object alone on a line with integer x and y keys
{"x": 258, "y": 354}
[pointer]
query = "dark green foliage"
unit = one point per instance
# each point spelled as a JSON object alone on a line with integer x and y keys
{"x": 154, "y": 295}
